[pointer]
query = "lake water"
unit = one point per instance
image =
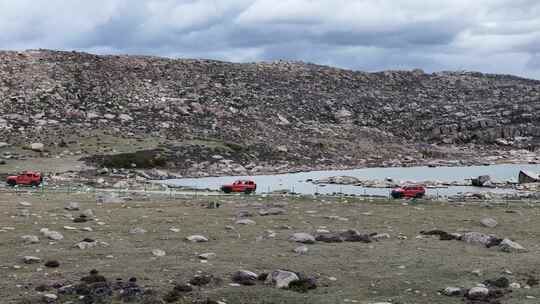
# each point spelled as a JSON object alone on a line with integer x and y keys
{"x": 296, "y": 182}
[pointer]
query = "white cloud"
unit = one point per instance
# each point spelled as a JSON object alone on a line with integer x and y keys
{"x": 488, "y": 35}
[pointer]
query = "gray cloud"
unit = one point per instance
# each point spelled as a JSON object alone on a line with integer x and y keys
{"x": 498, "y": 36}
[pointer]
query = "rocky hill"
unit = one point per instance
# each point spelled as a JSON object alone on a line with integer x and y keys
{"x": 211, "y": 116}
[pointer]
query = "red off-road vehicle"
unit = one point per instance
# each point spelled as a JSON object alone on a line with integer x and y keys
{"x": 26, "y": 178}
{"x": 411, "y": 191}
{"x": 245, "y": 186}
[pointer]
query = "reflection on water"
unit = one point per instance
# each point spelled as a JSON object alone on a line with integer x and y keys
{"x": 296, "y": 182}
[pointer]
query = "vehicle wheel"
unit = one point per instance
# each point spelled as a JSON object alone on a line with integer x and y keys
{"x": 34, "y": 184}
{"x": 419, "y": 195}
{"x": 247, "y": 191}
{"x": 397, "y": 195}
{"x": 11, "y": 183}
{"x": 227, "y": 190}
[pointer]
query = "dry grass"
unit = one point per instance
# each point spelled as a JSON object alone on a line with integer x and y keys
{"x": 398, "y": 270}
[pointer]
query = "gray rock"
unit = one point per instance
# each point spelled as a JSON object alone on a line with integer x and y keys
{"x": 137, "y": 231}
{"x": 31, "y": 259}
{"x": 158, "y": 253}
{"x": 109, "y": 199}
{"x": 206, "y": 256}
{"x": 197, "y": 239}
{"x": 281, "y": 278}
{"x": 245, "y": 222}
{"x": 478, "y": 292}
{"x": 49, "y": 298}
{"x": 25, "y": 204}
{"x": 30, "y": 239}
{"x": 88, "y": 213}
{"x": 86, "y": 245}
{"x": 72, "y": 206}
{"x": 511, "y": 246}
{"x": 302, "y": 237}
{"x": 272, "y": 211}
{"x": 301, "y": 250}
{"x": 52, "y": 235}
{"x": 452, "y": 291}
{"x": 380, "y": 236}
{"x": 23, "y": 212}
{"x": 244, "y": 277}
{"x": 489, "y": 222}
{"x": 37, "y": 147}
{"x": 477, "y": 238}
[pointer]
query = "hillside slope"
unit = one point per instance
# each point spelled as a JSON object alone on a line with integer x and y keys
{"x": 203, "y": 115}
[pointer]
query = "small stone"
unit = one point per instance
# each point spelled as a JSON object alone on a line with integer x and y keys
{"x": 197, "y": 239}
{"x": 72, "y": 206}
{"x": 137, "y": 231}
{"x": 245, "y": 222}
{"x": 515, "y": 285}
{"x": 172, "y": 229}
{"x": 88, "y": 213}
{"x": 272, "y": 211}
{"x": 452, "y": 291}
{"x": 31, "y": 259}
{"x": 25, "y": 204}
{"x": 158, "y": 253}
{"x": 302, "y": 237}
{"x": 380, "y": 236}
{"x": 52, "y": 235}
{"x": 50, "y": 298}
{"x": 30, "y": 239}
{"x": 206, "y": 256}
{"x": 511, "y": 246}
{"x": 52, "y": 264}
{"x": 301, "y": 250}
{"x": 489, "y": 222}
{"x": 245, "y": 277}
{"x": 86, "y": 244}
{"x": 478, "y": 292}
{"x": 70, "y": 228}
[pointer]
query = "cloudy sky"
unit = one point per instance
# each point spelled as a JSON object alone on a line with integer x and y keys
{"x": 499, "y": 36}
